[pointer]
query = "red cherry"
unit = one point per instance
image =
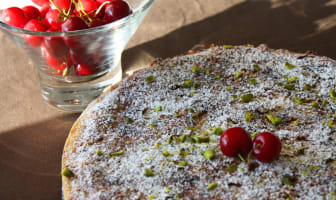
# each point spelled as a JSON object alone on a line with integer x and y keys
{"x": 63, "y": 4}
{"x": 31, "y": 12}
{"x": 14, "y": 16}
{"x": 58, "y": 64}
{"x": 34, "y": 25}
{"x": 54, "y": 19}
{"x": 115, "y": 10}
{"x": 267, "y": 147}
{"x": 44, "y": 10}
{"x": 85, "y": 70}
{"x": 89, "y": 6}
{"x": 96, "y": 22}
{"x": 73, "y": 24}
{"x": 235, "y": 141}
{"x": 55, "y": 45}
{"x": 41, "y": 2}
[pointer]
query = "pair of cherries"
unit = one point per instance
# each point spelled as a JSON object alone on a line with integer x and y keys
{"x": 236, "y": 141}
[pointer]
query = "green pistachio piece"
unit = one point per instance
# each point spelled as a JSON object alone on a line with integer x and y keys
{"x": 228, "y": 47}
{"x": 167, "y": 189}
{"x": 228, "y": 89}
{"x": 315, "y": 104}
{"x": 289, "y": 86}
{"x": 274, "y": 119}
{"x": 256, "y": 67}
{"x": 191, "y": 110}
{"x": 324, "y": 103}
{"x": 231, "y": 168}
{"x": 195, "y": 85}
{"x": 148, "y": 172}
{"x": 300, "y": 151}
{"x": 144, "y": 149}
{"x": 217, "y": 76}
{"x": 218, "y": 131}
{"x": 182, "y": 163}
{"x": 195, "y": 69}
{"x": 253, "y": 135}
{"x": 289, "y": 66}
{"x": 176, "y": 115}
{"x": 246, "y": 98}
{"x": 158, "y": 108}
{"x": 238, "y": 75}
{"x": 288, "y": 180}
{"x": 98, "y": 152}
{"x": 165, "y": 153}
{"x": 331, "y": 124}
{"x": 207, "y": 71}
{"x": 235, "y": 96}
{"x": 332, "y": 93}
{"x": 129, "y": 120}
{"x": 182, "y": 138}
{"x": 253, "y": 81}
{"x": 209, "y": 154}
{"x": 149, "y": 79}
{"x": 187, "y": 83}
{"x": 169, "y": 141}
{"x": 202, "y": 139}
{"x": 297, "y": 100}
{"x": 119, "y": 153}
{"x": 212, "y": 186}
{"x": 151, "y": 197}
{"x": 67, "y": 173}
{"x": 279, "y": 84}
{"x": 249, "y": 116}
{"x": 191, "y": 140}
{"x": 307, "y": 86}
{"x": 293, "y": 79}
{"x": 296, "y": 122}
{"x": 151, "y": 125}
{"x": 191, "y": 93}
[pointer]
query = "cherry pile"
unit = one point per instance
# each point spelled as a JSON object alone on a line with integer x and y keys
{"x": 236, "y": 141}
{"x": 63, "y": 16}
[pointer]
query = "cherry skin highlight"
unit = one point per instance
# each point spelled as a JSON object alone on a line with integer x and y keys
{"x": 266, "y": 147}
{"x": 235, "y": 141}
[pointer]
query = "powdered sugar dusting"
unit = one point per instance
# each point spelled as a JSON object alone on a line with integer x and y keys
{"x": 138, "y": 126}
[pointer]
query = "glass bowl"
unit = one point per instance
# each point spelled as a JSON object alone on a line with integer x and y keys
{"x": 98, "y": 52}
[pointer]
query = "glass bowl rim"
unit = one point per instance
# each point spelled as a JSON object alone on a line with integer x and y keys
{"x": 146, "y": 5}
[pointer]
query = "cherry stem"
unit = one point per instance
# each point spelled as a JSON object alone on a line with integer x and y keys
{"x": 101, "y": 7}
{"x": 241, "y": 157}
{"x": 81, "y": 9}
{"x": 57, "y": 8}
{"x": 250, "y": 153}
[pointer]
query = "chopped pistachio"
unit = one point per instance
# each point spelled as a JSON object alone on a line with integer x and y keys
{"x": 238, "y": 75}
{"x": 235, "y": 96}
{"x": 190, "y": 140}
{"x": 288, "y": 180}
{"x": 212, "y": 186}
{"x": 253, "y": 81}
{"x": 324, "y": 103}
{"x": 67, "y": 173}
{"x": 176, "y": 115}
{"x": 253, "y": 135}
{"x": 144, "y": 149}
{"x": 209, "y": 154}
{"x": 187, "y": 83}
{"x": 167, "y": 189}
{"x": 231, "y": 168}
{"x": 279, "y": 84}
{"x": 128, "y": 142}
{"x": 300, "y": 151}
{"x": 182, "y": 163}
{"x": 207, "y": 71}
{"x": 256, "y": 67}
{"x": 148, "y": 172}
{"x": 289, "y": 86}
{"x": 151, "y": 197}
{"x": 119, "y": 153}
{"x": 157, "y": 145}
{"x": 331, "y": 124}
{"x": 158, "y": 108}
{"x": 191, "y": 110}
{"x": 332, "y": 93}
{"x": 192, "y": 93}
{"x": 202, "y": 139}
{"x": 228, "y": 89}
{"x": 293, "y": 79}
{"x": 129, "y": 120}
{"x": 228, "y": 46}
{"x": 296, "y": 122}
{"x": 315, "y": 104}
{"x": 182, "y": 138}
{"x": 195, "y": 69}
{"x": 249, "y": 116}
{"x": 307, "y": 86}
{"x": 98, "y": 152}
{"x": 297, "y": 100}
{"x": 149, "y": 79}
{"x": 289, "y": 66}
{"x": 151, "y": 125}
{"x": 274, "y": 119}
{"x": 195, "y": 85}
{"x": 165, "y": 153}
{"x": 193, "y": 115}
{"x": 217, "y": 76}
{"x": 304, "y": 172}
{"x": 218, "y": 131}
{"x": 246, "y": 98}
{"x": 169, "y": 141}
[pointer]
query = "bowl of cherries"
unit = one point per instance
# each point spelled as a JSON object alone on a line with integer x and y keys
{"x": 74, "y": 44}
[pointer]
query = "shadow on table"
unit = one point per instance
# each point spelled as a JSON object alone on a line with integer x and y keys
{"x": 291, "y": 25}
{"x": 31, "y": 159}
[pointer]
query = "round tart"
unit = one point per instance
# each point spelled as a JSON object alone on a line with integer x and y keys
{"x": 156, "y": 134}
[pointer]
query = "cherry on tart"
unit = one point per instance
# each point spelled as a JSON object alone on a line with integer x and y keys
{"x": 31, "y": 12}
{"x": 14, "y": 16}
{"x": 235, "y": 141}
{"x": 266, "y": 147}
{"x": 115, "y": 10}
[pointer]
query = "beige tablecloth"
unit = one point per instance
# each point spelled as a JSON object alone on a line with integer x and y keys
{"x": 32, "y": 133}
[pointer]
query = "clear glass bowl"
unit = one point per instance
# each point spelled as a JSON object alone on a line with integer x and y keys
{"x": 99, "y": 48}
